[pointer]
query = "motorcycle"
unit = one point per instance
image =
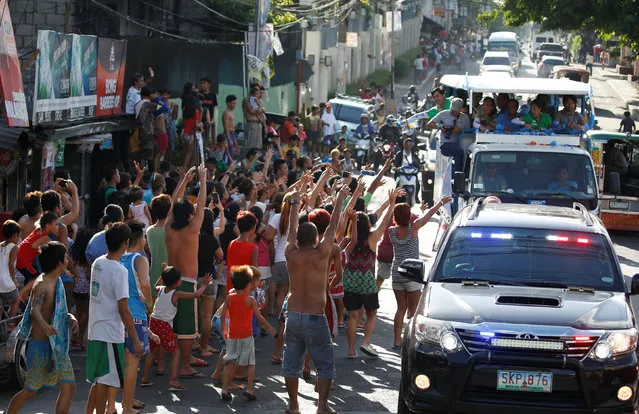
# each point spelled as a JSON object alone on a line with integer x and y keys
{"x": 384, "y": 152}
{"x": 409, "y": 105}
{"x": 406, "y": 178}
{"x": 362, "y": 148}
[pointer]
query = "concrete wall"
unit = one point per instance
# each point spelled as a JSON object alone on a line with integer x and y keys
{"x": 371, "y": 54}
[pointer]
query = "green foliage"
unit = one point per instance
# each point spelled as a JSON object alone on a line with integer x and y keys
{"x": 404, "y": 62}
{"x": 245, "y": 11}
{"x": 575, "y": 45}
{"x": 379, "y": 77}
{"x": 607, "y": 17}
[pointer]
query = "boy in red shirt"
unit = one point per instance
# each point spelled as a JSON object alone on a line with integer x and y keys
{"x": 29, "y": 248}
{"x": 242, "y": 251}
{"x": 240, "y": 348}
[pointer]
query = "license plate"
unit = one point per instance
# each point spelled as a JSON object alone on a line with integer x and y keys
{"x": 537, "y": 202}
{"x": 619, "y": 205}
{"x": 528, "y": 381}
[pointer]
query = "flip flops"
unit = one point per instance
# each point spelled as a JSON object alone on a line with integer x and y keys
{"x": 276, "y": 361}
{"x": 194, "y": 374}
{"x": 352, "y": 356}
{"x": 369, "y": 350}
{"x": 160, "y": 372}
{"x": 145, "y": 384}
{"x": 199, "y": 363}
{"x": 177, "y": 388}
{"x": 226, "y": 396}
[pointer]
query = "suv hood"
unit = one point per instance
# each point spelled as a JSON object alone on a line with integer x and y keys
{"x": 474, "y": 304}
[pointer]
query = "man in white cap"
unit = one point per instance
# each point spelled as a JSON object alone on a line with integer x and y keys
{"x": 452, "y": 122}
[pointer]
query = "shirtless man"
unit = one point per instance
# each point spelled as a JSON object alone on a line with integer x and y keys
{"x": 31, "y": 203}
{"x": 253, "y": 127}
{"x": 307, "y": 262}
{"x": 47, "y": 368}
{"x": 182, "y": 242}
{"x": 228, "y": 121}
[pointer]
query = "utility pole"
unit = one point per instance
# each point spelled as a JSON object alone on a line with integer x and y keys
{"x": 258, "y": 8}
{"x": 392, "y": 50}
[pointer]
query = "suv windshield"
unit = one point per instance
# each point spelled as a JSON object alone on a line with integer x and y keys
{"x": 505, "y": 46}
{"x": 552, "y": 62}
{"x": 530, "y": 257}
{"x": 529, "y": 176}
{"x": 346, "y": 113}
{"x": 496, "y": 60}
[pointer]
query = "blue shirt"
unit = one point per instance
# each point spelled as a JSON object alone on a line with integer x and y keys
{"x": 506, "y": 122}
{"x": 97, "y": 247}
{"x": 148, "y": 196}
{"x": 365, "y": 130}
{"x": 136, "y": 305}
{"x": 568, "y": 185}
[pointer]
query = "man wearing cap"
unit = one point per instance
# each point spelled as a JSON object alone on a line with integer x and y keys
{"x": 453, "y": 122}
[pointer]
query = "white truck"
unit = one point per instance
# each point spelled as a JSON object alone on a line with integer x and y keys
{"x": 538, "y": 39}
{"x": 519, "y": 168}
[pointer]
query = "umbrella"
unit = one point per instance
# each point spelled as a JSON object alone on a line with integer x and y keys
{"x": 443, "y": 33}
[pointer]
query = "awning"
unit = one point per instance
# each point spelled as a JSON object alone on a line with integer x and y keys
{"x": 86, "y": 128}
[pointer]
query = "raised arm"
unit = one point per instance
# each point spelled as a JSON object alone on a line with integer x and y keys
{"x": 381, "y": 227}
{"x": 329, "y": 234}
{"x": 201, "y": 200}
{"x": 220, "y": 228}
{"x": 293, "y": 222}
{"x": 352, "y": 216}
{"x": 139, "y": 173}
{"x": 74, "y": 213}
{"x": 380, "y": 176}
{"x": 420, "y": 222}
{"x": 179, "y": 192}
{"x": 319, "y": 186}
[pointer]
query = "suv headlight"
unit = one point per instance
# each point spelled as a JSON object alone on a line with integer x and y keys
{"x": 436, "y": 332}
{"x": 615, "y": 343}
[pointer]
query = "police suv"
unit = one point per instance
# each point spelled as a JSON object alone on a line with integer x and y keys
{"x": 525, "y": 310}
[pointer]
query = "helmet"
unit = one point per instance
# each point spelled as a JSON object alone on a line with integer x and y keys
{"x": 391, "y": 120}
{"x": 363, "y": 115}
{"x": 412, "y": 88}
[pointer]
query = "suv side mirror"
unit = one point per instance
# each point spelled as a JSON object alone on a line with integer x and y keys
{"x": 634, "y": 289}
{"x": 413, "y": 269}
{"x": 459, "y": 182}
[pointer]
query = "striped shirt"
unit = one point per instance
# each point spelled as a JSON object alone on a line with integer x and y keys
{"x": 406, "y": 248}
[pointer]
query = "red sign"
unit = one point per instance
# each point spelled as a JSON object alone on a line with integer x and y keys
{"x": 617, "y": 221}
{"x": 111, "y": 65}
{"x": 15, "y": 104}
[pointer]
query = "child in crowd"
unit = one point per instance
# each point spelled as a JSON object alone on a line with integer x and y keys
{"x": 301, "y": 134}
{"x": 161, "y": 323}
{"x": 260, "y": 297}
{"x": 8, "y": 254}
{"x": 240, "y": 348}
{"x": 29, "y": 247}
{"x": 81, "y": 288}
{"x": 45, "y": 325}
{"x": 138, "y": 210}
{"x": 220, "y": 153}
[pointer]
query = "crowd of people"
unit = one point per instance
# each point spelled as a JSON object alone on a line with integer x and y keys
{"x": 186, "y": 259}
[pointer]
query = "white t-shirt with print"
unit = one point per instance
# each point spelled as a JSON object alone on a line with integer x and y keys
{"x": 6, "y": 283}
{"x": 331, "y": 121}
{"x": 280, "y": 240}
{"x": 132, "y": 98}
{"x": 109, "y": 284}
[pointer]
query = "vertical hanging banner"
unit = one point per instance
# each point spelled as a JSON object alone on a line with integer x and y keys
{"x": 111, "y": 64}
{"x": 265, "y": 8}
{"x": 66, "y": 77}
{"x": 10, "y": 74}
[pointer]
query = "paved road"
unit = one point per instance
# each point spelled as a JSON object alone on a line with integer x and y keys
{"x": 364, "y": 385}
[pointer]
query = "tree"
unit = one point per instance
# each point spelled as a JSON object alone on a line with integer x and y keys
{"x": 612, "y": 17}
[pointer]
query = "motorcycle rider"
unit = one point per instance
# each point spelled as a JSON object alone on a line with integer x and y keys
{"x": 407, "y": 156}
{"x": 412, "y": 94}
{"x": 390, "y": 131}
{"x": 366, "y": 130}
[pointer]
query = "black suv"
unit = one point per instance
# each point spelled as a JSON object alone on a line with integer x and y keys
{"x": 551, "y": 49}
{"x": 525, "y": 310}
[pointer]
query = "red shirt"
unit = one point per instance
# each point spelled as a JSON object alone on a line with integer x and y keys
{"x": 26, "y": 253}
{"x": 189, "y": 123}
{"x": 287, "y": 130}
{"x": 240, "y": 317}
{"x": 239, "y": 253}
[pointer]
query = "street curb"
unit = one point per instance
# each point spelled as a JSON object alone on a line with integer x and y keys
{"x": 634, "y": 109}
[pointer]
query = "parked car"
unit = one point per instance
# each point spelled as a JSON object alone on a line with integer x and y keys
{"x": 544, "y": 68}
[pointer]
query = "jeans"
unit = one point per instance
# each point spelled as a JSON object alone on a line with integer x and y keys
{"x": 450, "y": 149}
{"x": 305, "y": 332}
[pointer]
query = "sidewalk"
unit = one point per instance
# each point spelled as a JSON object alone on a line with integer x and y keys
{"x": 628, "y": 91}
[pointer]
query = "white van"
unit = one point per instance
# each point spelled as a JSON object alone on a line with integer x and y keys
{"x": 538, "y": 39}
{"x": 496, "y": 59}
{"x": 506, "y": 42}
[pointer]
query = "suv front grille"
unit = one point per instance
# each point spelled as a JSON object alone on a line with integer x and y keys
{"x": 571, "y": 347}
